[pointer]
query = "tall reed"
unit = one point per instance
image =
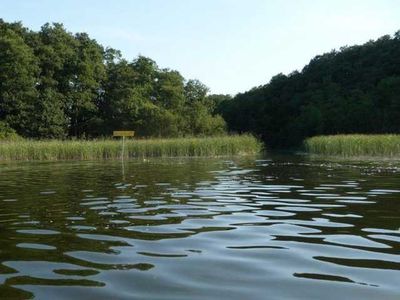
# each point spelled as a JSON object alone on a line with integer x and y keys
{"x": 355, "y": 145}
{"x": 111, "y": 149}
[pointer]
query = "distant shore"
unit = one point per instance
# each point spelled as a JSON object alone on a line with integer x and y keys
{"x": 134, "y": 148}
{"x": 348, "y": 145}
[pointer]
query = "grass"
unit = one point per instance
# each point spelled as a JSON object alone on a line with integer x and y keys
{"x": 111, "y": 149}
{"x": 355, "y": 145}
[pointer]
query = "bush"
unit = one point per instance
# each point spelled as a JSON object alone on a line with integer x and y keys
{"x": 7, "y": 133}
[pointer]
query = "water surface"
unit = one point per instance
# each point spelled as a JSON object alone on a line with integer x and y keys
{"x": 282, "y": 227}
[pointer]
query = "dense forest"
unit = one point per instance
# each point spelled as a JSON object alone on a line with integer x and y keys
{"x": 354, "y": 90}
{"x": 55, "y": 84}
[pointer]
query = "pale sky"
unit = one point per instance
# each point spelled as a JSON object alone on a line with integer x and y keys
{"x": 230, "y": 45}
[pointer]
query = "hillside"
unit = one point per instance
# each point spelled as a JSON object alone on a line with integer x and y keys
{"x": 353, "y": 90}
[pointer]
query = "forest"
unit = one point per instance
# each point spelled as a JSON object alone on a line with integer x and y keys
{"x": 353, "y": 90}
{"x": 57, "y": 85}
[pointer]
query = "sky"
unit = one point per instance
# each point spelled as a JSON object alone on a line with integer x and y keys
{"x": 229, "y": 45}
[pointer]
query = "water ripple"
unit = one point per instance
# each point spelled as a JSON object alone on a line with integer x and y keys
{"x": 288, "y": 227}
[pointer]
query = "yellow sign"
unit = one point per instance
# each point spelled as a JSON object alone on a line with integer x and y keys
{"x": 123, "y": 133}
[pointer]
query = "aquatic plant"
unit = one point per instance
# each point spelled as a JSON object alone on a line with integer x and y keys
{"x": 355, "y": 145}
{"x": 111, "y": 148}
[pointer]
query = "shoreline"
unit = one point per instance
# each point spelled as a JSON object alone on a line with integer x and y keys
{"x": 354, "y": 145}
{"x": 55, "y": 150}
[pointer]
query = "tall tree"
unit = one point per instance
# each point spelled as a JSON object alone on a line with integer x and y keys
{"x": 85, "y": 85}
{"x": 18, "y": 80}
{"x": 54, "y": 48}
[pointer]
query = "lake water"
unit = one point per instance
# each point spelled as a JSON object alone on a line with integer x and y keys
{"x": 283, "y": 227}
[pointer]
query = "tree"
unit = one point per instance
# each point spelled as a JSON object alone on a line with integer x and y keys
{"x": 169, "y": 90}
{"x": 388, "y": 93}
{"x": 55, "y": 51}
{"x": 217, "y": 102}
{"x": 195, "y": 91}
{"x": 85, "y": 85}
{"x": 121, "y": 101}
{"x": 18, "y": 80}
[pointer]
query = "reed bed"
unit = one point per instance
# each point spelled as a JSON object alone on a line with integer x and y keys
{"x": 111, "y": 149}
{"x": 355, "y": 145}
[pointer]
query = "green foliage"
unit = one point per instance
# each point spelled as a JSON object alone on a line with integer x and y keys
{"x": 195, "y": 91}
{"x": 108, "y": 149}
{"x": 354, "y": 90}
{"x": 50, "y": 120}
{"x": 169, "y": 90}
{"x": 88, "y": 73}
{"x": 201, "y": 122}
{"x": 7, "y": 133}
{"x": 157, "y": 121}
{"x": 18, "y": 77}
{"x": 217, "y": 102}
{"x": 355, "y": 145}
{"x": 55, "y": 84}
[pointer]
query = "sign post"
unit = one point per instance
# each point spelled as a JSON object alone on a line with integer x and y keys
{"x": 123, "y": 134}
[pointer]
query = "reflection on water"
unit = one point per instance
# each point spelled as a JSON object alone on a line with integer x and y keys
{"x": 279, "y": 228}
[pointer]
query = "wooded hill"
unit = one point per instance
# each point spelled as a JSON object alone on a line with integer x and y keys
{"x": 353, "y": 90}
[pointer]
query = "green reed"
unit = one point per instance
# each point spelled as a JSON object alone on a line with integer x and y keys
{"x": 355, "y": 145}
{"x": 111, "y": 148}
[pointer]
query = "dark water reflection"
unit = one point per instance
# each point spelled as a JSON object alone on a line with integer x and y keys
{"x": 281, "y": 228}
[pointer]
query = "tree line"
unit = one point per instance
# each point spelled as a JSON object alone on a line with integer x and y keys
{"x": 353, "y": 90}
{"x": 55, "y": 84}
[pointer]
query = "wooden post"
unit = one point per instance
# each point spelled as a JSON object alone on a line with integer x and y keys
{"x": 123, "y": 134}
{"x": 123, "y": 147}
{"x": 122, "y": 158}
